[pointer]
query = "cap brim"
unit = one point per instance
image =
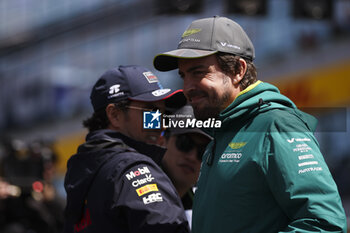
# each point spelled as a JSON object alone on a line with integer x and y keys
{"x": 178, "y": 131}
{"x": 168, "y": 61}
{"x": 173, "y": 98}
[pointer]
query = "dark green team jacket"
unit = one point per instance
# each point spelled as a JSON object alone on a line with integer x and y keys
{"x": 264, "y": 171}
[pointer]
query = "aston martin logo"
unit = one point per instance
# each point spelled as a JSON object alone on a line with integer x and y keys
{"x": 190, "y": 32}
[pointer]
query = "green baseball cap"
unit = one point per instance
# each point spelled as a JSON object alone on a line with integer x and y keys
{"x": 205, "y": 37}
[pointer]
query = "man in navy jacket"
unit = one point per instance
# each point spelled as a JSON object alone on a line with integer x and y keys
{"x": 114, "y": 183}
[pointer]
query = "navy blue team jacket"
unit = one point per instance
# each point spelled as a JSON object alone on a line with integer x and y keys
{"x": 114, "y": 184}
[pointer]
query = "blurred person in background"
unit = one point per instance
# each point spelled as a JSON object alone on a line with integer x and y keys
{"x": 114, "y": 183}
{"x": 182, "y": 160}
{"x": 264, "y": 171}
{"x": 28, "y": 198}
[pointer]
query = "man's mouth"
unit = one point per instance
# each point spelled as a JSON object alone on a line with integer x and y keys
{"x": 196, "y": 96}
{"x": 197, "y": 99}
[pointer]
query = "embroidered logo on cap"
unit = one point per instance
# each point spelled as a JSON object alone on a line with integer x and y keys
{"x": 151, "y": 78}
{"x": 114, "y": 91}
{"x": 190, "y": 32}
{"x": 160, "y": 92}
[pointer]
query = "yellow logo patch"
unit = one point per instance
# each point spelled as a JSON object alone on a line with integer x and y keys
{"x": 190, "y": 32}
{"x": 146, "y": 189}
{"x": 236, "y": 145}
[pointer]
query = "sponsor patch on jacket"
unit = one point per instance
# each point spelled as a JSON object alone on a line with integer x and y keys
{"x": 151, "y": 198}
{"x": 307, "y": 162}
{"x": 236, "y": 145}
{"x": 140, "y": 171}
{"x": 230, "y": 158}
{"x": 291, "y": 140}
{"x": 147, "y": 189}
{"x": 142, "y": 181}
{"x": 302, "y": 147}
{"x": 232, "y": 153}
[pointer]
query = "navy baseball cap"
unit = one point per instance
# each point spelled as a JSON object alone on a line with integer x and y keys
{"x": 205, "y": 37}
{"x": 134, "y": 83}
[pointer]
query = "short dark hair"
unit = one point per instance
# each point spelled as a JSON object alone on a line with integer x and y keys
{"x": 99, "y": 119}
{"x": 230, "y": 63}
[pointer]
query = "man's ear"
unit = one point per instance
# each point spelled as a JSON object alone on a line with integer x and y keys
{"x": 241, "y": 72}
{"x": 113, "y": 115}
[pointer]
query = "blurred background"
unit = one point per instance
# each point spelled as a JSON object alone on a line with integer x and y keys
{"x": 52, "y": 52}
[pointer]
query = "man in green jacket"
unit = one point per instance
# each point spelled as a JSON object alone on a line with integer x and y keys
{"x": 264, "y": 171}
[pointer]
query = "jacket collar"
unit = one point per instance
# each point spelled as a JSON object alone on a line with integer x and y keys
{"x": 156, "y": 153}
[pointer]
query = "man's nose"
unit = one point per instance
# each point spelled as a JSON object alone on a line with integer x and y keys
{"x": 189, "y": 86}
{"x": 192, "y": 154}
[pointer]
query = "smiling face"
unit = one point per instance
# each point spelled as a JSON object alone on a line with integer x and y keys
{"x": 130, "y": 122}
{"x": 208, "y": 89}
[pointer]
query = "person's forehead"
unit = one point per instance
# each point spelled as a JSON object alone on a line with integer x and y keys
{"x": 189, "y": 65}
{"x": 211, "y": 59}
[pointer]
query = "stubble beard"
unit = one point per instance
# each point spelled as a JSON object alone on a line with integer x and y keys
{"x": 216, "y": 105}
